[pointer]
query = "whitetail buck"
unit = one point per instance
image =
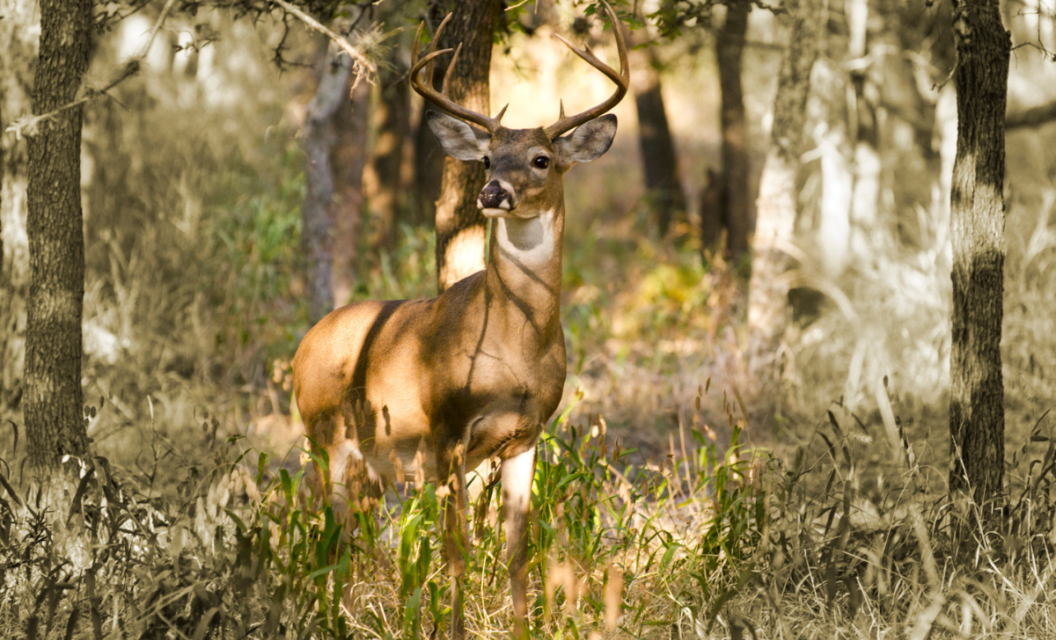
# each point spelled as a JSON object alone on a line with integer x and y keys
{"x": 404, "y": 388}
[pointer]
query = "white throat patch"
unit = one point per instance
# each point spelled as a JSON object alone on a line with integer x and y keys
{"x": 530, "y": 240}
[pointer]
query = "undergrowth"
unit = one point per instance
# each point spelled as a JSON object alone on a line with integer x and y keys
{"x": 703, "y": 544}
{"x": 243, "y": 548}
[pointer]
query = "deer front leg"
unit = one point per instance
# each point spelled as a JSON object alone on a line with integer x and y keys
{"x": 517, "y": 474}
{"x": 451, "y": 467}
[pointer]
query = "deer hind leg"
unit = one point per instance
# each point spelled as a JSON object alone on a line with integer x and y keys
{"x": 451, "y": 471}
{"x": 517, "y": 474}
{"x": 349, "y": 484}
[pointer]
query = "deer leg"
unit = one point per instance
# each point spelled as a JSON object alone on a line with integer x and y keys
{"x": 451, "y": 464}
{"x": 517, "y": 473}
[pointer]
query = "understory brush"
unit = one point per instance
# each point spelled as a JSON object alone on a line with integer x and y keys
{"x": 618, "y": 547}
{"x": 702, "y": 543}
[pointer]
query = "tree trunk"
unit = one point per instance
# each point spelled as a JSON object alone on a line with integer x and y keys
{"x": 53, "y": 406}
{"x": 347, "y": 161}
{"x": 460, "y": 227}
{"x": 977, "y": 419}
{"x": 865, "y": 194}
{"x": 392, "y": 118}
{"x": 428, "y": 170}
{"x": 330, "y": 95}
{"x": 768, "y": 288}
{"x": 659, "y": 160}
{"x": 18, "y": 32}
{"x": 729, "y": 46}
{"x": 712, "y": 211}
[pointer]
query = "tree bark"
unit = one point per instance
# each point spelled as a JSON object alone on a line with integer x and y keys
{"x": 977, "y": 419}
{"x": 392, "y": 119}
{"x": 768, "y": 288}
{"x": 18, "y": 32}
{"x": 729, "y": 47}
{"x": 659, "y": 159}
{"x": 460, "y": 227}
{"x": 330, "y": 95}
{"x": 53, "y": 400}
{"x": 348, "y": 158}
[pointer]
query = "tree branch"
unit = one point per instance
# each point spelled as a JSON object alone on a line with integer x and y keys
{"x": 1033, "y": 117}
{"x": 30, "y": 125}
{"x": 353, "y": 52}
{"x": 154, "y": 29}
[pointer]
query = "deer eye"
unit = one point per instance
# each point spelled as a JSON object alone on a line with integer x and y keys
{"x": 541, "y": 162}
{"x": 487, "y": 162}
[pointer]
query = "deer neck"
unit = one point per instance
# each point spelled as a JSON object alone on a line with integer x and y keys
{"x": 524, "y": 271}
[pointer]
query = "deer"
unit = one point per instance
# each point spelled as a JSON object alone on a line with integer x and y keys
{"x": 431, "y": 388}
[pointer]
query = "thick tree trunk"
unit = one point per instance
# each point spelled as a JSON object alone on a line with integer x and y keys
{"x": 53, "y": 400}
{"x": 18, "y": 32}
{"x": 977, "y": 419}
{"x": 460, "y": 227}
{"x": 330, "y": 95}
{"x": 729, "y": 47}
{"x": 347, "y": 161}
{"x": 392, "y": 119}
{"x": 659, "y": 160}
{"x": 768, "y": 289}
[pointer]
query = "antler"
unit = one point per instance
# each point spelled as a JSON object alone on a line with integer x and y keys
{"x": 441, "y": 99}
{"x": 622, "y": 80}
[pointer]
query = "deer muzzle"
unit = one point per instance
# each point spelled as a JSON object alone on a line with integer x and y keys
{"x": 496, "y": 199}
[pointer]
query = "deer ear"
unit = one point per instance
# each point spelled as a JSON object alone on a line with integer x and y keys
{"x": 588, "y": 142}
{"x": 458, "y": 139}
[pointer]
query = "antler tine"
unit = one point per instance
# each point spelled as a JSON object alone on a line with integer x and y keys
{"x": 622, "y": 80}
{"x": 450, "y": 68}
{"x": 434, "y": 43}
{"x": 441, "y": 99}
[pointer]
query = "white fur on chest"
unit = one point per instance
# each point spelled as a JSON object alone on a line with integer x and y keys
{"x": 530, "y": 241}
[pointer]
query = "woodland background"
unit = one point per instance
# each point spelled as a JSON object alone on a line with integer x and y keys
{"x": 709, "y": 508}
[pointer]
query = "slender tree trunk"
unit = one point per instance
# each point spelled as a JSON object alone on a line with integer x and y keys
{"x": 977, "y": 418}
{"x": 53, "y": 401}
{"x": 330, "y": 95}
{"x": 347, "y": 161}
{"x": 428, "y": 170}
{"x": 392, "y": 119}
{"x": 19, "y": 34}
{"x": 865, "y": 195}
{"x": 460, "y": 227}
{"x": 659, "y": 160}
{"x": 729, "y": 47}
{"x": 712, "y": 211}
{"x": 768, "y": 289}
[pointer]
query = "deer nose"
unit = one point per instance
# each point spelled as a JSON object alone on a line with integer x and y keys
{"x": 495, "y": 196}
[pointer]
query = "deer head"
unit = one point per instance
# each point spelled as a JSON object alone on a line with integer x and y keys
{"x": 523, "y": 167}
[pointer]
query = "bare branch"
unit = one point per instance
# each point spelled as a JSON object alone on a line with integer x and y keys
{"x": 30, "y": 125}
{"x": 354, "y": 52}
{"x": 1034, "y": 117}
{"x": 154, "y": 29}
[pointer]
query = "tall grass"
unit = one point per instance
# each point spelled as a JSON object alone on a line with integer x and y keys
{"x": 617, "y": 548}
{"x": 702, "y": 544}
